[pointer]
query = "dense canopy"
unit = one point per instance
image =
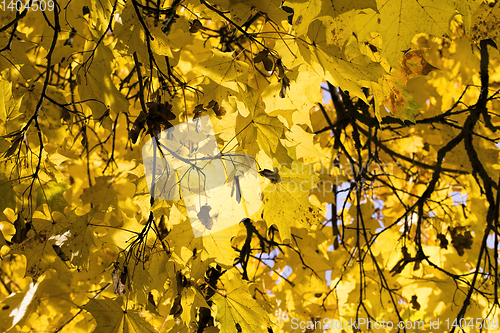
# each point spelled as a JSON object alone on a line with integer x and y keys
{"x": 335, "y": 164}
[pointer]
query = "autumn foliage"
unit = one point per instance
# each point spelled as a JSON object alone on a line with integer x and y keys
{"x": 373, "y": 126}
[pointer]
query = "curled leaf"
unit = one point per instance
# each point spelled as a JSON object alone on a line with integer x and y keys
{"x": 414, "y": 64}
{"x": 60, "y": 253}
{"x": 119, "y": 279}
{"x": 138, "y": 126}
{"x": 260, "y": 56}
{"x": 195, "y": 26}
{"x": 205, "y": 218}
{"x": 414, "y": 303}
{"x": 443, "y": 242}
{"x": 198, "y": 111}
{"x": 13, "y": 147}
{"x": 268, "y": 64}
{"x": 22, "y": 229}
{"x": 285, "y": 83}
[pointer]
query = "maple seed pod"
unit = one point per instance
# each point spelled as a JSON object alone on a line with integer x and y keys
{"x": 414, "y": 303}
{"x": 60, "y": 253}
{"x": 236, "y": 187}
{"x": 443, "y": 242}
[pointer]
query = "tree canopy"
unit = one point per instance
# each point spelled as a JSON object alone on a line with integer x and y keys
{"x": 368, "y": 133}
